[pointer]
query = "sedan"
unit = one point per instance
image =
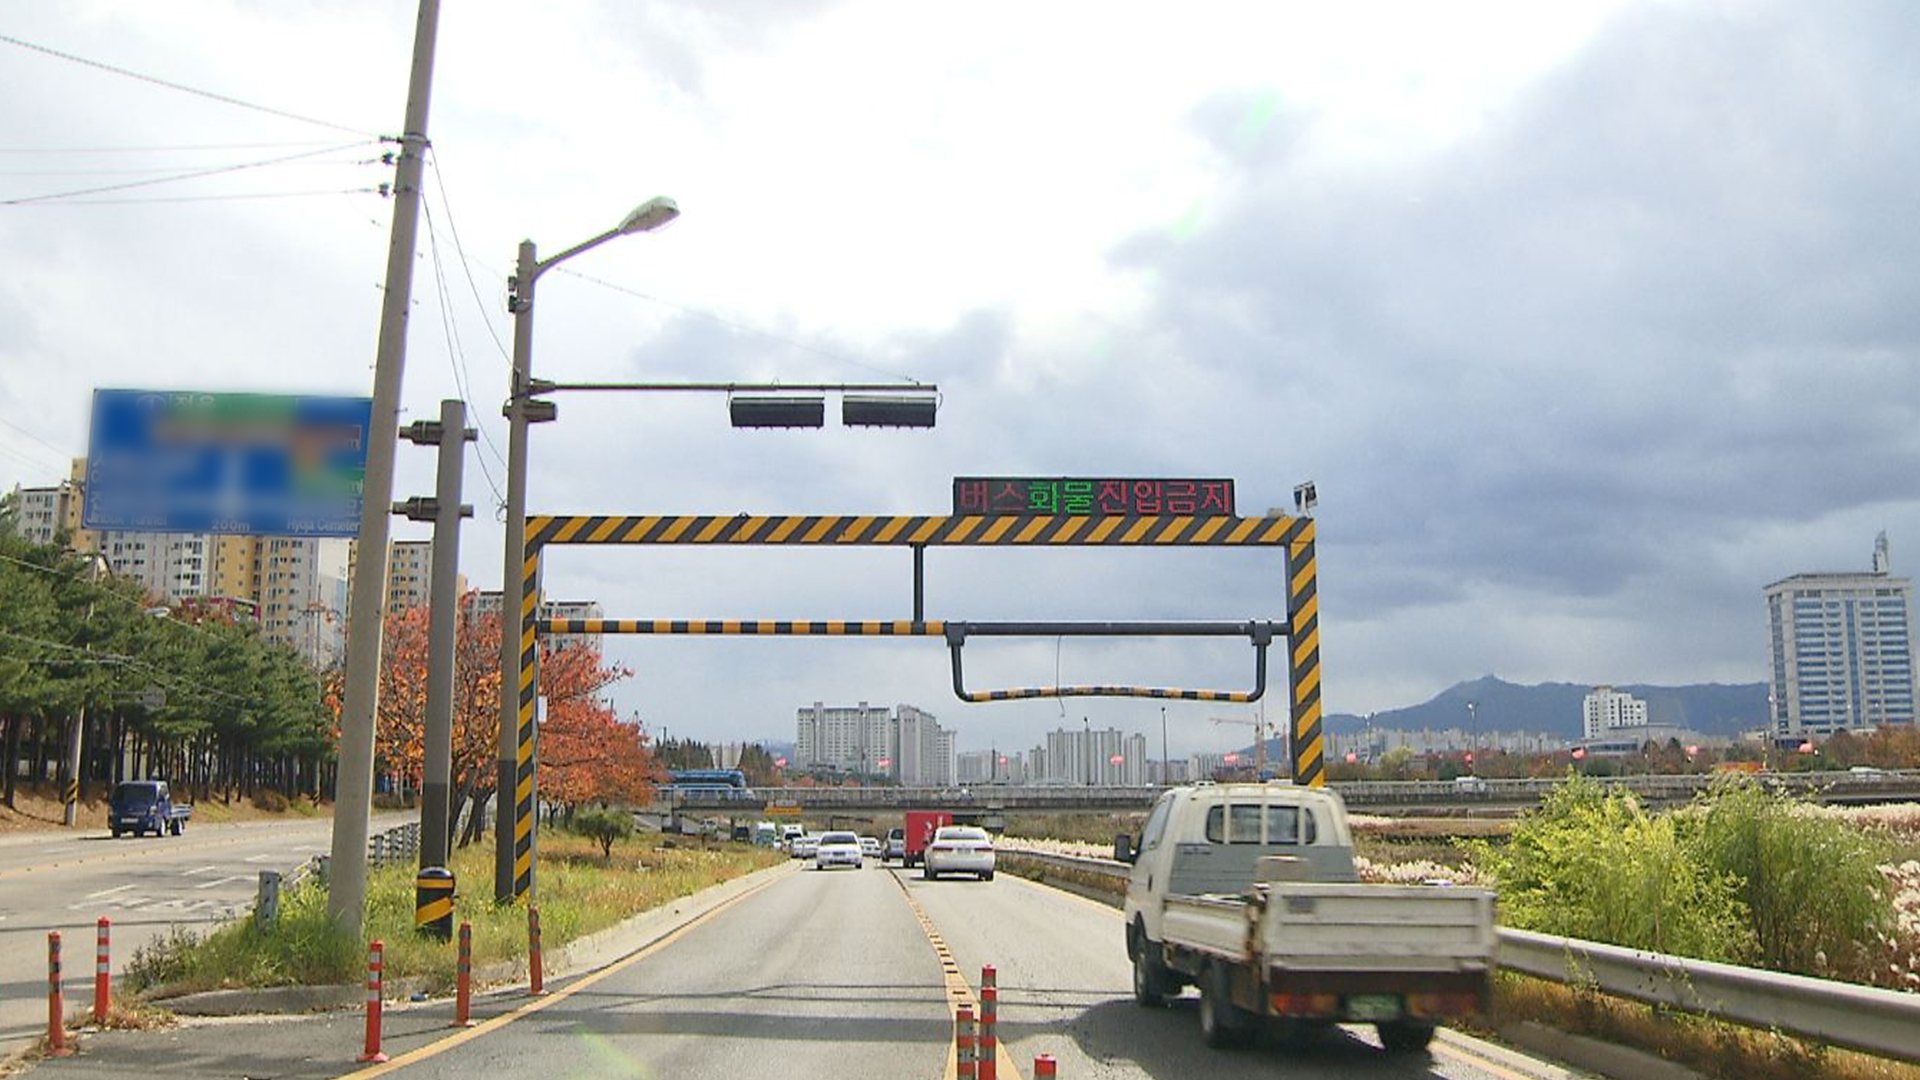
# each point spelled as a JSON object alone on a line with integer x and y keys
{"x": 803, "y": 847}
{"x": 837, "y": 849}
{"x": 870, "y": 849}
{"x": 959, "y": 849}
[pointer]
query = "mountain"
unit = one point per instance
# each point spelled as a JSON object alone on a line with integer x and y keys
{"x": 1709, "y": 708}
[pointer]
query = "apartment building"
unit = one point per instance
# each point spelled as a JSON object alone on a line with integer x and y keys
{"x": 1843, "y": 655}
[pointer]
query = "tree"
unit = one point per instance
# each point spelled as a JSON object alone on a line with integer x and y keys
{"x": 606, "y": 825}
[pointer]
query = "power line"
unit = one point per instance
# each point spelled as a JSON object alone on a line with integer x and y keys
{"x": 191, "y": 175}
{"x": 181, "y": 87}
{"x": 252, "y": 196}
{"x": 736, "y": 325}
{"x": 96, "y": 657}
{"x": 456, "y": 355}
{"x": 98, "y": 589}
{"x": 157, "y": 147}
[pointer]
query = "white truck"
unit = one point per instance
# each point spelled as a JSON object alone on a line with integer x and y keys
{"x": 1248, "y": 891}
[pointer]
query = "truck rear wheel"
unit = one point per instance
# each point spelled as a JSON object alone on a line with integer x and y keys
{"x": 1150, "y": 982}
{"x": 1404, "y": 1036}
{"x": 1222, "y": 1023}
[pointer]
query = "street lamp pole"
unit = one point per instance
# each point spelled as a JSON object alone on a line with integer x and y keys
{"x": 514, "y": 786}
{"x": 1166, "y": 763}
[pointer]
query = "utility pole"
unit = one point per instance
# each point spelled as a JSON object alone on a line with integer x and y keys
{"x": 1166, "y": 764}
{"x": 353, "y": 783}
{"x": 451, "y": 434}
{"x": 77, "y": 734}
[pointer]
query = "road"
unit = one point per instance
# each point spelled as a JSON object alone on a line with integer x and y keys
{"x": 813, "y": 974}
{"x": 65, "y": 880}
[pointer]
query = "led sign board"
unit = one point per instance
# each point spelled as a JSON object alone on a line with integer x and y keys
{"x": 1092, "y": 497}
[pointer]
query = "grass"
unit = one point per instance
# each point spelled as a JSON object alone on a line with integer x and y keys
{"x": 580, "y": 893}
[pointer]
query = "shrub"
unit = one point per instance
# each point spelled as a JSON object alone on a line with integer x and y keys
{"x": 1817, "y": 899}
{"x": 606, "y": 825}
{"x": 1593, "y": 864}
{"x": 266, "y": 798}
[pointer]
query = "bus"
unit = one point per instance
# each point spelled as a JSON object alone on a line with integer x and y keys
{"x": 725, "y": 784}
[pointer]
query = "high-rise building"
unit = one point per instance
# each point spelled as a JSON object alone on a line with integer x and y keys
{"x": 300, "y": 587}
{"x": 1842, "y": 650}
{"x": 1606, "y": 709}
{"x": 923, "y": 751}
{"x": 488, "y": 603}
{"x": 849, "y": 739}
{"x": 41, "y": 513}
{"x": 1105, "y": 757}
{"x": 409, "y": 575}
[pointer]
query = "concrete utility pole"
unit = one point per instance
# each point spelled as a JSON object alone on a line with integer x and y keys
{"x": 353, "y": 784}
{"x": 445, "y": 510}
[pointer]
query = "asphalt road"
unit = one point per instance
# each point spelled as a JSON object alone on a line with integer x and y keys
{"x": 65, "y": 880}
{"x": 812, "y": 974}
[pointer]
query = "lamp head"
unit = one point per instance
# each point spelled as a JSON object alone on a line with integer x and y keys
{"x": 650, "y": 215}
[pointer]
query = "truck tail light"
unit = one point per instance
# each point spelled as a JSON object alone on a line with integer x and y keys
{"x": 1443, "y": 1003}
{"x": 1306, "y": 1004}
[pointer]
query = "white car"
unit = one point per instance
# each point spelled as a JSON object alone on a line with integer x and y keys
{"x": 959, "y": 849}
{"x": 803, "y": 847}
{"x": 870, "y": 849}
{"x": 837, "y": 849}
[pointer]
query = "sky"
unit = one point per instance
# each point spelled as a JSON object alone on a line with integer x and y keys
{"x": 1588, "y": 320}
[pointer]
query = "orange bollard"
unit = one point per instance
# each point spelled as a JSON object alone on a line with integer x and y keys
{"x": 375, "y": 965}
{"x": 963, "y": 1043}
{"x": 56, "y": 1005}
{"x": 102, "y": 973}
{"x": 463, "y": 981}
{"x": 537, "y": 982}
{"x": 987, "y": 1067}
{"x": 1043, "y": 1067}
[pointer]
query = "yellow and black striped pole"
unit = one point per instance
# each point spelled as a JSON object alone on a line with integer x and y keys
{"x": 433, "y": 902}
{"x": 526, "y": 769}
{"x": 1303, "y": 648}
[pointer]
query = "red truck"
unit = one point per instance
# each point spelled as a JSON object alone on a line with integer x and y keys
{"x": 920, "y": 828}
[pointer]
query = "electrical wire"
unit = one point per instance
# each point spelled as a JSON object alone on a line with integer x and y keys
{"x": 191, "y": 175}
{"x": 732, "y": 324}
{"x": 99, "y": 658}
{"x": 181, "y": 87}
{"x": 253, "y": 196}
{"x": 158, "y": 148}
{"x": 99, "y": 590}
{"x": 456, "y": 354}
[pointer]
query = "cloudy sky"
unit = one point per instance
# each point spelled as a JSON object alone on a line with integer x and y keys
{"x": 1588, "y": 319}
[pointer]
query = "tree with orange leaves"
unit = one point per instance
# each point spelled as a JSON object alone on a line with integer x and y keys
{"x": 583, "y": 746}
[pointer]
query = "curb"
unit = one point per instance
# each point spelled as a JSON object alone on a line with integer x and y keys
{"x": 595, "y": 950}
{"x": 1592, "y": 1055}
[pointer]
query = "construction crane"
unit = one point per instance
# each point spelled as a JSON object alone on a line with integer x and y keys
{"x": 1259, "y": 724}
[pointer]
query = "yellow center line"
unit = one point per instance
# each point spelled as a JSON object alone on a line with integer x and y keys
{"x": 958, "y": 991}
{"x": 552, "y": 998}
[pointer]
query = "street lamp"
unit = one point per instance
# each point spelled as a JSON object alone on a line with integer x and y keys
{"x": 511, "y": 789}
{"x": 1166, "y": 764}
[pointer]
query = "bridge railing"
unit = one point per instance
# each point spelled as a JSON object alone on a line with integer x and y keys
{"x": 1865, "y": 1018}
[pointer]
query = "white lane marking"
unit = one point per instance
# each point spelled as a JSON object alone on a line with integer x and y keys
{"x": 217, "y": 882}
{"x": 199, "y": 870}
{"x": 262, "y": 858}
{"x": 108, "y": 892}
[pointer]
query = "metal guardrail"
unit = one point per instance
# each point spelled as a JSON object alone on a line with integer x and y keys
{"x": 401, "y": 843}
{"x": 1865, "y": 1018}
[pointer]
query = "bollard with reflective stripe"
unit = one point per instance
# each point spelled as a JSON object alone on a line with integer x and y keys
{"x": 988, "y": 1067}
{"x": 536, "y": 978}
{"x": 963, "y": 1043}
{"x": 102, "y": 973}
{"x": 1043, "y": 1067}
{"x": 433, "y": 902}
{"x": 56, "y": 1005}
{"x": 375, "y": 966}
{"x": 463, "y": 980}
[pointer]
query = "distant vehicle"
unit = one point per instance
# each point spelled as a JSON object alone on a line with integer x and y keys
{"x": 1470, "y": 785}
{"x": 765, "y": 834}
{"x": 921, "y": 825}
{"x": 788, "y": 832}
{"x": 870, "y": 849}
{"x": 725, "y": 785}
{"x": 837, "y": 849}
{"x": 803, "y": 847}
{"x": 142, "y": 806}
{"x": 1866, "y": 770}
{"x": 743, "y": 833}
{"x": 960, "y": 849}
{"x": 1249, "y": 892}
{"x": 896, "y": 845}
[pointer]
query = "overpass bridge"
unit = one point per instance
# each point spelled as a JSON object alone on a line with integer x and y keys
{"x": 1385, "y": 795}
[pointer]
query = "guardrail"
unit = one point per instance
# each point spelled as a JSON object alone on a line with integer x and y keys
{"x": 1828, "y": 786}
{"x": 1865, "y": 1018}
{"x": 400, "y": 843}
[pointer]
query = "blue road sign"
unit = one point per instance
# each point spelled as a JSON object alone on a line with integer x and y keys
{"x": 260, "y": 464}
